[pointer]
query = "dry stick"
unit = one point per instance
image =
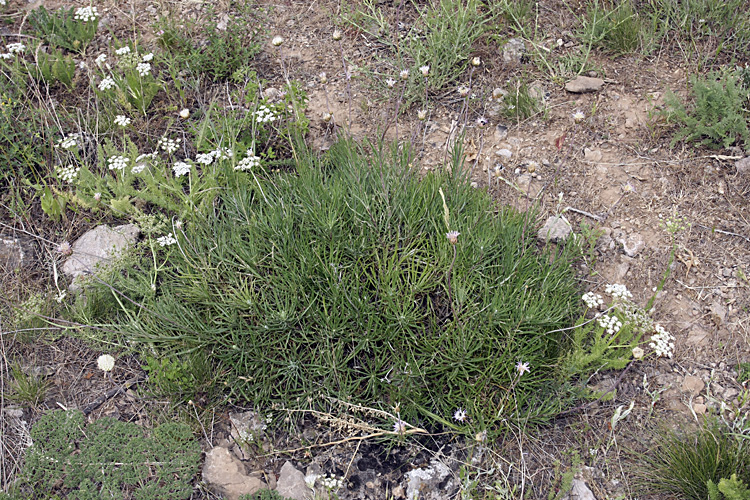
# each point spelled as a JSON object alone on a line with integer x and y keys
{"x": 611, "y": 389}
{"x": 724, "y": 232}
{"x": 120, "y": 389}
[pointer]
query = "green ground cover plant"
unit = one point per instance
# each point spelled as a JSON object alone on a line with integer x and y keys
{"x": 716, "y": 114}
{"x": 107, "y": 458}
{"x": 339, "y": 280}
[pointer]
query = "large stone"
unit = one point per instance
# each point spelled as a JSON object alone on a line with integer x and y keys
{"x": 632, "y": 244}
{"x": 513, "y": 51}
{"x": 225, "y": 474}
{"x": 584, "y": 84}
{"x": 98, "y": 246}
{"x": 579, "y": 491}
{"x": 291, "y": 483}
{"x": 743, "y": 165}
{"x": 428, "y": 483}
{"x": 692, "y": 385}
{"x": 15, "y": 253}
{"x": 557, "y": 228}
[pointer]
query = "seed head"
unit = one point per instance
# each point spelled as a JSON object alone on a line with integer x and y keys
{"x": 425, "y": 70}
{"x": 337, "y": 35}
{"x": 404, "y": 74}
{"x": 277, "y": 40}
{"x": 476, "y": 61}
{"x": 185, "y": 113}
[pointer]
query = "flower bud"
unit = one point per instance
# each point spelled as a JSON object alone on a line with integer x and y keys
{"x": 185, "y": 113}
{"x": 476, "y": 61}
{"x": 422, "y": 115}
{"x": 337, "y": 35}
{"x": 323, "y": 78}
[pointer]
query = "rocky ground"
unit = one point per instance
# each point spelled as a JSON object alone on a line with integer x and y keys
{"x": 612, "y": 171}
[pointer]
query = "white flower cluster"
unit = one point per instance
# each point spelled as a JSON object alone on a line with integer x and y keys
{"x": 662, "y": 342}
{"x": 265, "y": 114}
{"x": 181, "y": 168}
{"x": 100, "y": 59}
{"x": 68, "y": 173}
{"x": 609, "y": 323}
{"x": 122, "y": 120}
{"x": 166, "y": 240}
{"x": 618, "y": 291}
{"x": 143, "y": 68}
{"x": 148, "y": 57}
{"x": 107, "y": 83}
{"x": 69, "y": 141}
{"x": 249, "y": 162}
{"x": 331, "y": 482}
{"x": 117, "y": 162}
{"x": 86, "y": 14}
{"x": 123, "y": 50}
{"x": 218, "y": 154}
{"x": 5, "y": 55}
{"x": 168, "y": 145}
{"x": 141, "y": 162}
{"x": 15, "y": 48}
{"x": 592, "y": 300}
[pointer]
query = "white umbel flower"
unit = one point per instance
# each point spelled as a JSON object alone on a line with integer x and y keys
{"x": 105, "y": 362}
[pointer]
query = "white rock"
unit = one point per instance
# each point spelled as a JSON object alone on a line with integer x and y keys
{"x": 98, "y": 246}
{"x": 291, "y": 483}
{"x": 424, "y": 484}
{"x": 225, "y": 474}
{"x": 557, "y": 228}
{"x": 579, "y": 491}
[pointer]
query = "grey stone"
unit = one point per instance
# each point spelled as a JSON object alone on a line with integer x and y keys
{"x": 584, "y": 84}
{"x": 743, "y": 165}
{"x": 557, "y": 228}
{"x": 100, "y": 245}
{"x": 225, "y": 474}
{"x": 593, "y": 155}
{"x": 692, "y": 385}
{"x": 513, "y": 51}
{"x": 291, "y": 483}
{"x": 15, "y": 253}
{"x": 632, "y": 244}
{"x": 579, "y": 491}
{"x": 425, "y": 483}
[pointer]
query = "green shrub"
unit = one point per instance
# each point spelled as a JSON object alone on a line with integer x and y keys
{"x": 107, "y": 458}
{"x": 617, "y": 30}
{"x": 718, "y": 115}
{"x": 64, "y": 28}
{"x": 338, "y": 280}
{"x": 729, "y": 489}
{"x": 684, "y": 464}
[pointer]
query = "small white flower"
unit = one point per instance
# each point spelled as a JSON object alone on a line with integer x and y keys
{"x": 143, "y": 68}
{"x": 610, "y": 323}
{"x": 618, "y": 291}
{"x": 86, "y": 14}
{"x": 422, "y": 115}
{"x": 100, "y": 59}
{"x": 277, "y": 40}
{"x": 181, "y": 168}
{"x": 6, "y": 55}
{"x": 264, "y": 114}
{"x": 249, "y": 162}
{"x": 463, "y": 91}
{"x": 592, "y": 300}
{"x": 337, "y": 35}
{"x": 148, "y": 57}
{"x": 425, "y": 70}
{"x": 476, "y": 61}
{"x": 327, "y": 117}
{"x": 166, "y": 240}
{"x": 662, "y": 342}
{"x": 559, "y": 42}
{"x": 123, "y": 50}
{"x": 69, "y": 141}
{"x": 105, "y": 362}
{"x": 117, "y": 162}
{"x": 97, "y": 196}
{"x": 122, "y": 120}
{"x": 522, "y": 368}
{"x": 106, "y": 83}
{"x": 15, "y": 48}
{"x": 390, "y": 82}
{"x": 578, "y": 116}
{"x": 185, "y": 113}
{"x": 167, "y": 145}
{"x": 459, "y": 415}
{"x": 68, "y": 173}
{"x": 453, "y": 237}
{"x": 404, "y": 74}
{"x": 323, "y": 78}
